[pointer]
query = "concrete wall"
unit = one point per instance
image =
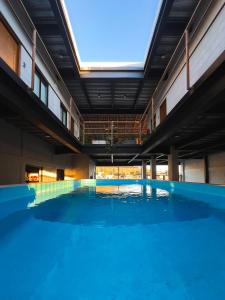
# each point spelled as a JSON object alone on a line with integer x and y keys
{"x": 217, "y": 168}
{"x": 194, "y": 170}
{"x": 84, "y": 167}
{"x": 17, "y": 149}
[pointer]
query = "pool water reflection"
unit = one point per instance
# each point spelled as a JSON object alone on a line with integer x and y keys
{"x": 114, "y": 242}
{"x": 124, "y": 205}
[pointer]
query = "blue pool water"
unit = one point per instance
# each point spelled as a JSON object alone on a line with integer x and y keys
{"x": 114, "y": 242}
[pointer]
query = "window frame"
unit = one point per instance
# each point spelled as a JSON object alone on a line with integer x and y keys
{"x": 154, "y": 121}
{"x": 63, "y": 109}
{"x": 72, "y": 125}
{"x": 42, "y": 80}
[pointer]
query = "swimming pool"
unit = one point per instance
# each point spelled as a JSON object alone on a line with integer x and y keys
{"x": 115, "y": 240}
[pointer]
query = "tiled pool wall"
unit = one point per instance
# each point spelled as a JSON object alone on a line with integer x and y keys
{"x": 213, "y": 195}
{"x": 18, "y": 197}
{"x": 21, "y": 196}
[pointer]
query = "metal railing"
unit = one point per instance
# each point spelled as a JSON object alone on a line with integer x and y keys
{"x": 108, "y": 132}
{"x": 178, "y": 61}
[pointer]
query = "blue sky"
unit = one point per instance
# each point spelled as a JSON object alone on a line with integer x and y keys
{"x": 112, "y": 30}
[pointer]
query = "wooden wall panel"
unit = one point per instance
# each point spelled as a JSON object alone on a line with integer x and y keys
{"x": 9, "y": 48}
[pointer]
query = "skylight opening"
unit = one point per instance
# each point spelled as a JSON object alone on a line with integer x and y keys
{"x": 111, "y": 34}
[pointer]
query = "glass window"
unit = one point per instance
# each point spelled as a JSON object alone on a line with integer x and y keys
{"x": 63, "y": 115}
{"x": 132, "y": 172}
{"x": 72, "y": 125}
{"x": 41, "y": 87}
{"x": 44, "y": 93}
{"x": 37, "y": 84}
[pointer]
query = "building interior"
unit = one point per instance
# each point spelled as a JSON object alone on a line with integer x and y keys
{"x": 61, "y": 120}
{"x": 112, "y": 173}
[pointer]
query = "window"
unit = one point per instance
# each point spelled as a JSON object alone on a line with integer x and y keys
{"x": 63, "y": 115}
{"x": 37, "y": 84}
{"x": 44, "y": 93}
{"x": 133, "y": 172}
{"x": 9, "y": 48}
{"x": 72, "y": 125}
{"x": 32, "y": 174}
{"x": 41, "y": 87}
{"x": 163, "y": 111}
{"x": 60, "y": 174}
{"x": 154, "y": 121}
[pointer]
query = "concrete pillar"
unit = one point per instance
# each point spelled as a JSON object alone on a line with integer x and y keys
{"x": 83, "y": 166}
{"x": 144, "y": 171}
{"x": 183, "y": 170}
{"x": 206, "y": 169}
{"x": 173, "y": 165}
{"x": 153, "y": 168}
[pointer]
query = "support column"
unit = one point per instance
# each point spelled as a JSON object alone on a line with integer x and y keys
{"x": 153, "y": 167}
{"x": 187, "y": 59}
{"x": 206, "y": 169}
{"x": 144, "y": 172}
{"x": 83, "y": 167}
{"x": 173, "y": 165}
{"x": 34, "y": 40}
{"x": 183, "y": 170}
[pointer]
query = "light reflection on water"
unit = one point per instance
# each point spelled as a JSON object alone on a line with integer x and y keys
{"x": 120, "y": 205}
{"x": 117, "y": 242}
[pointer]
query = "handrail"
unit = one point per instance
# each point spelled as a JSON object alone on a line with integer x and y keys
{"x": 65, "y": 89}
{"x": 173, "y": 56}
{"x": 109, "y": 121}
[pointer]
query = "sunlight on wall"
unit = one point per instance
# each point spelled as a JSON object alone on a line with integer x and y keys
{"x": 45, "y": 191}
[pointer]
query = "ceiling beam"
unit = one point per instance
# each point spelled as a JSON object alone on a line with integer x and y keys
{"x": 217, "y": 146}
{"x": 112, "y": 88}
{"x": 175, "y": 28}
{"x": 206, "y": 133}
{"x": 109, "y": 110}
{"x": 140, "y": 86}
{"x": 160, "y": 25}
{"x": 115, "y": 149}
{"x": 57, "y": 9}
{"x": 83, "y": 86}
{"x": 48, "y": 30}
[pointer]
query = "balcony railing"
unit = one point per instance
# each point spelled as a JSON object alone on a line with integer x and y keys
{"x": 200, "y": 46}
{"x": 108, "y": 132}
